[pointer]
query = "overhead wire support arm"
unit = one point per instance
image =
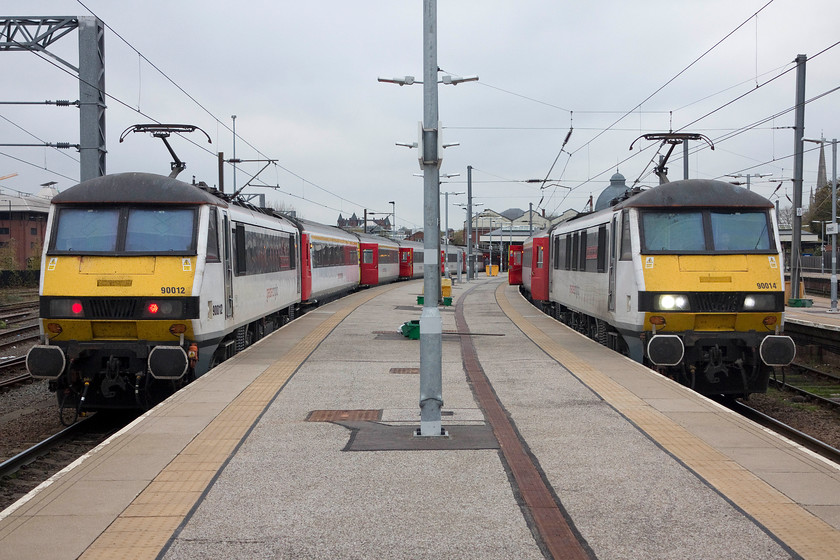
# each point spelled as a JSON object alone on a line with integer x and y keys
{"x": 59, "y": 145}
{"x": 57, "y": 103}
{"x": 255, "y": 175}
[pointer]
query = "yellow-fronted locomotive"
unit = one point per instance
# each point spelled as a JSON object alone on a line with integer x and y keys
{"x": 686, "y": 276}
{"x": 148, "y": 282}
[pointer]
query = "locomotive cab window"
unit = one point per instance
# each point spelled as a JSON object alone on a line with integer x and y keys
{"x": 87, "y": 230}
{"x": 705, "y": 232}
{"x": 740, "y": 231}
{"x": 136, "y": 230}
{"x": 157, "y": 230}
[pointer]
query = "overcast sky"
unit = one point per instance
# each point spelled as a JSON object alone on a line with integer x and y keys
{"x": 302, "y": 79}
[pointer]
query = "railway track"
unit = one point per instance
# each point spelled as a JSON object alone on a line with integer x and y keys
{"x": 28, "y": 469}
{"x": 816, "y": 385}
{"x": 20, "y": 339}
{"x": 23, "y": 458}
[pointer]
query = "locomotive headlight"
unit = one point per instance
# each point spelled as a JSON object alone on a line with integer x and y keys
{"x": 669, "y": 302}
{"x": 759, "y": 302}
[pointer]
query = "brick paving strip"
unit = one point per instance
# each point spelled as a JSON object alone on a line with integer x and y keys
{"x": 542, "y": 509}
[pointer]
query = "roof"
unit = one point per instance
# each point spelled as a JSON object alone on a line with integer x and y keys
{"x": 23, "y": 203}
{"x": 693, "y": 193}
{"x": 136, "y": 188}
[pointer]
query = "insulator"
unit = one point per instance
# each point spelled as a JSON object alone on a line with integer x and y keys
{"x": 62, "y": 102}
{"x": 62, "y": 145}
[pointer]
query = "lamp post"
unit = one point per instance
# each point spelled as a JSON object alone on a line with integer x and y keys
{"x": 446, "y": 230}
{"x": 431, "y": 325}
{"x": 491, "y": 246}
{"x": 234, "y": 151}
{"x": 393, "y": 219}
{"x": 468, "y": 234}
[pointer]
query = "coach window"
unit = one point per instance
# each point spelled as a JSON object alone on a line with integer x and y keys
{"x": 582, "y": 252}
{"x": 567, "y": 259}
{"x": 540, "y": 256}
{"x": 626, "y": 253}
{"x": 367, "y": 256}
{"x": 239, "y": 248}
{"x": 212, "y": 236}
{"x": 575, "y": 251}
{"x": 602, "y": 248}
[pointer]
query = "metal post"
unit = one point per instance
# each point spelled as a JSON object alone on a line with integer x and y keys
{"x": 92, "y": 98}
{"x": 748, "y": 180}
{"x": 393, "y": 219}
{"x": 685, "y": 159}
{"x": 491, "y": 247}
{"x": 431, "y": 397}
{"x": 470, "y": 263}
{"x": 446, "y": 236}
{"x": 798, "y": 133}
{"x": 530, "y": 219}
{"x": 510, "y": 244}
{"x": 833, "y": 308}
{"x": 234, "y": 152}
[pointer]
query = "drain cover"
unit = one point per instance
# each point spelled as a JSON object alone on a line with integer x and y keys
{"x": 343, "y": 415}
{"x": 406, "y": 370}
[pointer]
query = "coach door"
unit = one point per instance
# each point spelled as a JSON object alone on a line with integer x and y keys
{"x": 228, "y": 260}
{"x": 614, "y": 240}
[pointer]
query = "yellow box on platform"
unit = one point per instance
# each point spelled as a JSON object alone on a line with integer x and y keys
{"x": 446, "y": 287}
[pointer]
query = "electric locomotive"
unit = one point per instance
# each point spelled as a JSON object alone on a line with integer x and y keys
{"x": 148, "y": 282}
{"x": 686, "y": 277}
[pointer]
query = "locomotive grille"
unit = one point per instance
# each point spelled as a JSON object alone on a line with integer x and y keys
{"x": 111, "y": 308}
{"x": 716, "y": 302}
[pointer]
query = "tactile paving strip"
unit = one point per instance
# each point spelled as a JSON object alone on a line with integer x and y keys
{"x": 145, "y": 527}
{"x": 802, "y": 531}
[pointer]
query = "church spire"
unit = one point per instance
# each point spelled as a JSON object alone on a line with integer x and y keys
{"x": 822, "y": 181}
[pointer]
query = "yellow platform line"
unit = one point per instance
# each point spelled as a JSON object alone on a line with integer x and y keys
{"x": 143, "y": 529}
{"x": 805, "y": 533}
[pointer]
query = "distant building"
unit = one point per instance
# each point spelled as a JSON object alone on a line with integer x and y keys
{"x": 23, "y": 225}
{"x": 617, "y": 188}
{"x": 354, "y": 223}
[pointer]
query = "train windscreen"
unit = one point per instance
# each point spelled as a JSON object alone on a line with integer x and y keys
{"x": 159, "y": 231}
{"x": 87, "y": 230}
{"x": 125, "y": 230}
{"x": 705, "y": 232}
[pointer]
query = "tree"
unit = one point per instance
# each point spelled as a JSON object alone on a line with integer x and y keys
{"x": 820, "y": 210}
{"x": 8, "y": 256}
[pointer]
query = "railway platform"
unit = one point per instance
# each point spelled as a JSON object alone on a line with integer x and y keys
{"x": 303, "y": 447}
